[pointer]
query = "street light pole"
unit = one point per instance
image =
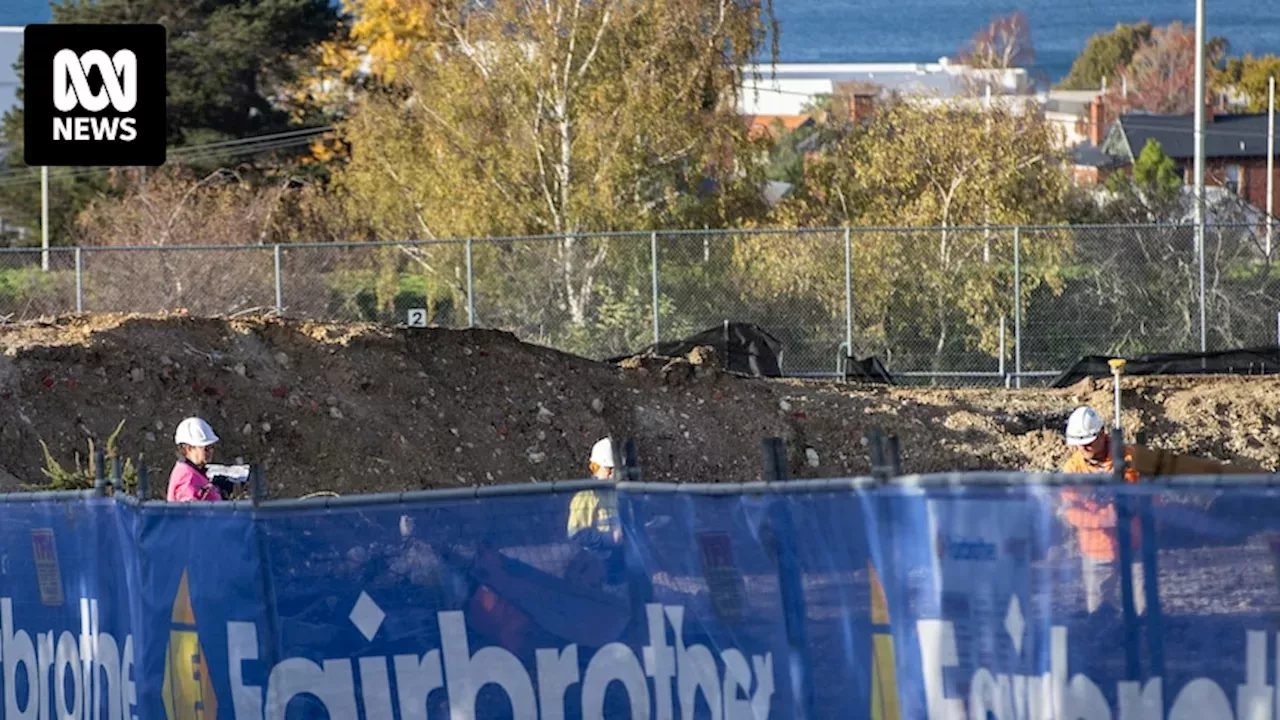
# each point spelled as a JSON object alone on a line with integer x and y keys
{"x": 44, "y": 218}
{"x": 1271, "y": 160}
{"x": 1199, "y": 166}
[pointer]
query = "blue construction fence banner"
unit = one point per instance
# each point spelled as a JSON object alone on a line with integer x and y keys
{"x": 945, "y": 602}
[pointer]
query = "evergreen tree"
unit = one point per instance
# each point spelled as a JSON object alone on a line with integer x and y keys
{"x": 229, "y": 61}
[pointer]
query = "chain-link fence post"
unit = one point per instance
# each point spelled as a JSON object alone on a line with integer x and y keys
{"x": 1003, "y": 349}
{"x": 848, "y": 295}
{"x": 79, "y": 282}
{"x": 1017, "y": 306}
{"x": 471, "y": 295}
{"x": 653, "y": 264}
{"x": 279, "y": 281}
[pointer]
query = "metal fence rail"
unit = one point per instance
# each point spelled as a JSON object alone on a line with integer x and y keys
{"x": 969, "y": 305}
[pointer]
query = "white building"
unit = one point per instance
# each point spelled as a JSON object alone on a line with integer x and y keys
{"x": 786, "y": 92}
{"x": 787, "y": 89}
{"x": 1070, "y": 111}
{"x": 10, "y": 47}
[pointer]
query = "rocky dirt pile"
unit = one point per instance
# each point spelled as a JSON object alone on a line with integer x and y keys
{"x": 361, "y": 408}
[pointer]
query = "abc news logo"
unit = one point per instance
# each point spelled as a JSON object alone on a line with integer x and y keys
{"x": 71, "y": 91}
{"x": 94, "y": 95}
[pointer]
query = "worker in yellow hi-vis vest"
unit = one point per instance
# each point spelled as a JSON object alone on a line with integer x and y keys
{"x": 594, "y": 525}
{"x": 597, "y": 510}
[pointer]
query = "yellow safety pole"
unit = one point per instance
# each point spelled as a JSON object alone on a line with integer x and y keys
{"x": 1117, "y": 369}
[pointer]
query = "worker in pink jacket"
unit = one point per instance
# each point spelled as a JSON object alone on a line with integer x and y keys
{"x": 188, "y": 481}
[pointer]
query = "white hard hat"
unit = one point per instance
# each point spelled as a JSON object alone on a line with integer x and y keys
{"x": 194, "y": 432}
{"x": 1084, "y": 426}
{"x": 602, "y": 453}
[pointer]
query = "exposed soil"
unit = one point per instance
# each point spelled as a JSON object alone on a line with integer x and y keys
{"x": 363, "y": 408}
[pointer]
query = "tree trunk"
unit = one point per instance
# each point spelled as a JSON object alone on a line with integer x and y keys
{"x": 572, "y": 292}
{"x": 577, "y": 274}
{"x": 579, "y": 267}
{"x": 943, "y": 328}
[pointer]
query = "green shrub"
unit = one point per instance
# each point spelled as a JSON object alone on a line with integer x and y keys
{"x": 81, "y": 477}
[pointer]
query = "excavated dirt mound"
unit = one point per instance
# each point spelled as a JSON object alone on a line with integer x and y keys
{"x": 362, "y": 408}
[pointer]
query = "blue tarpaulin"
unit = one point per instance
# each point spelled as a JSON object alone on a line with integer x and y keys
{"x": 844, "y": 599}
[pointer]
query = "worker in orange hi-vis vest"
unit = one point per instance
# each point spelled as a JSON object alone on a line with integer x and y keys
{"x": 1093, "y": 515}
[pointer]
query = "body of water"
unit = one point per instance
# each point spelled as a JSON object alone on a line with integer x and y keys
{"x": 924, "y": 30}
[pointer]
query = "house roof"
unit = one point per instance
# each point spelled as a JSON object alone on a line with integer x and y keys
{"x": 789, "y": 122}
{"x": 1089, "y": 155}
{"x": 1228, "y": 136}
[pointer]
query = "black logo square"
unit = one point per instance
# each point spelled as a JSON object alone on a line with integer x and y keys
{"x": 94, "y": 95}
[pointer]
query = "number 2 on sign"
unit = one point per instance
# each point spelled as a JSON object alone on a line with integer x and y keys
{"x": 418, "y": 317}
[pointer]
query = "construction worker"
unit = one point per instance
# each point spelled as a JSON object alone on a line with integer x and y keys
{"x": 597, "y": 564}
{"x": 594, "y": 526}
{"x": 188, "y": 481}
{"x": 1093, "y": 515}
{"x": 594, "y": 509}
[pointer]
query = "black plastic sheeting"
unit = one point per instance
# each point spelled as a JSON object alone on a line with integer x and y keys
{"x": 867, "y": 370}
{"x": 741, "y": 347}
{"x": 1245, "y": 361}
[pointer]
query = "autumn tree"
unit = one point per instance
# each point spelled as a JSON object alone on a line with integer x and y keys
{"x": 177, "y": 208}
{"x": 1003, "y": 44}
{"x": 928, "y": 167}
{"x": 1105, "y": 55}
{"x": 548, "y": 118}
{"x": 1160, "y": 78}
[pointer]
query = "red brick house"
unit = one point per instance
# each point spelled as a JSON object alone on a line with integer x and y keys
{"x": 1235, "y": 149}
{"x": 1089, "y": 164}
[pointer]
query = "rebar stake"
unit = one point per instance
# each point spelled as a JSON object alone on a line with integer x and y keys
{"x": 1117, "y": 369}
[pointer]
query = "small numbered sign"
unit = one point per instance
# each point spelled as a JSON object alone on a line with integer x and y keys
{"x": 418, "y": 317}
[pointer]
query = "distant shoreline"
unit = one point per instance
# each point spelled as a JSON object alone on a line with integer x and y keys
{"x": 873, "y": 31}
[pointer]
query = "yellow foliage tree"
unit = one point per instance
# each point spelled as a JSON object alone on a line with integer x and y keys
{"x": 555, "y": 118}
{"x": 949, "y": 167}
{"x": 1251, "y": 76}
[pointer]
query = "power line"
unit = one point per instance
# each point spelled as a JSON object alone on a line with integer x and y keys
{"x": 255, "y": 138}
{"x": 210, "y": 150}
{"x": 85, "y": 172}
{"x": 191, "y": 153}
{"x": 1210, "y": 130}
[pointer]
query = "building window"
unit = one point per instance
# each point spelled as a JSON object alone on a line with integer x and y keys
{"x": 1234, "y": 173}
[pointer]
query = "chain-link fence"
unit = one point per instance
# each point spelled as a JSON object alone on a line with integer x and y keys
{"x": 997, "y": 305}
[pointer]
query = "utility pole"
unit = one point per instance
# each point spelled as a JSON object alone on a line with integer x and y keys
{"x": 1199, "y": 167}
{"x": 1271, "y": 159}
{"x": 44, "y": 218}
